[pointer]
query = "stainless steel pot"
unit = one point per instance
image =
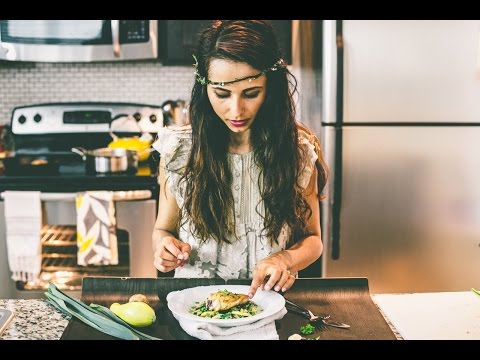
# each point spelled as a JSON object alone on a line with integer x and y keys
{"x": 107, "y": 160}
{"x": 175, "y": 112}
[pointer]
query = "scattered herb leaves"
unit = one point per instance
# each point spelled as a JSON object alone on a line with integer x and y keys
{"x": 307, "y": 329}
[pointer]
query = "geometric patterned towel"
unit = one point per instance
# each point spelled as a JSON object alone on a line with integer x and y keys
{"x": 96, "y": 229}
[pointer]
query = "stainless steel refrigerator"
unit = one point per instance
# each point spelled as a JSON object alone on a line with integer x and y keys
{"x": 401, "y": 134}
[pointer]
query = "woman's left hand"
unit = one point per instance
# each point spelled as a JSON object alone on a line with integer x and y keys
{"x": 275, "y": 268}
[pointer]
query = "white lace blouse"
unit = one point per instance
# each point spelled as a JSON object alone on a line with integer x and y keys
{"x": 235, "y": 260}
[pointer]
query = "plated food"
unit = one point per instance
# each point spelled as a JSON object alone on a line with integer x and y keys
{"x": 224, "y": 304}
{"x": 181, "y": 302}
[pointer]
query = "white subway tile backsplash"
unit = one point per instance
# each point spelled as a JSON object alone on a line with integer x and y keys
{"x": 143, "y": 82}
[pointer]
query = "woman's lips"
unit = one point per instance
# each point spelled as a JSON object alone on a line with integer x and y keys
{"x": 238, "y": 123}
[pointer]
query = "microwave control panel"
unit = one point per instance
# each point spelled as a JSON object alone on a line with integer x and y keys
{"x": 134, "y": 31}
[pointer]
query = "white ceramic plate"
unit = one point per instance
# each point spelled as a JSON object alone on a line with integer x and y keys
{"x": 180, "y": 302}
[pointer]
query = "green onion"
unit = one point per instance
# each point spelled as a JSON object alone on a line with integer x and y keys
{"x": 98, "y": 323}
{"x": 476, "y": 291}
{"x": 96, "y": 316}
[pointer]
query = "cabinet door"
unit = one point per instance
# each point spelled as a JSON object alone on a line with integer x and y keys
{"x": 283, "y": 30}
{"x": 179, "y": 37}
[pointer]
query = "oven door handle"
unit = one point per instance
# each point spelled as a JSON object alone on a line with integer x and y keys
{"x": 117, "y": 196}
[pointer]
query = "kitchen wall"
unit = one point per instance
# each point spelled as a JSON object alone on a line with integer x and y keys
{"x": 148, "y": 81}
{"x": 307, "y": 68}
{"x": 140, "y": 81}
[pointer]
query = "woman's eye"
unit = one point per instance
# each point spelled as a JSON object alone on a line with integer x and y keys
{"x": 252, "y": 95}
{"x": 247, "y": 96}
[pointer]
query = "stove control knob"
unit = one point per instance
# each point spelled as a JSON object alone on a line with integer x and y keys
{"x": 22, "y": 119}
{"x": 153, "y": 118}
{"x": 37, "y": 118}
{"x": 137, "y": 116}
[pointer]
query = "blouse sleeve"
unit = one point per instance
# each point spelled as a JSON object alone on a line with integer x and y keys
{"x": 174, "y": 145}
{"x": 309, "y": 159}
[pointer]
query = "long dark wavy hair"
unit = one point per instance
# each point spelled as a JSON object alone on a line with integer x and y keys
{"x": 274, "y": 136}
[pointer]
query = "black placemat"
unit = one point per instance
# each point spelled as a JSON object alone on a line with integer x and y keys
{"x": 345, "y": 299}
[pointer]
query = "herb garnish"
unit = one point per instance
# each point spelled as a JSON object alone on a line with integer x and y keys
{"x": 307, "y": 329}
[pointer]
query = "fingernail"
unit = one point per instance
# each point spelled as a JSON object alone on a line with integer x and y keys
{"x": 277, "y": 288}
{"x": 180, "y": 257}
{"x": 250, "y": 295}
{"x": 185, "y": 256}
{"x": 266, "y": 287}
{"x": 284, "y": 289}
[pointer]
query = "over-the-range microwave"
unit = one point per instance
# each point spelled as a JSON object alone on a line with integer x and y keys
{"x": 78, "y": 40}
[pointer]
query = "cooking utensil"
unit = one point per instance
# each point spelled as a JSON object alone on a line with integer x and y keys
{"x": 107, "y": 160}
{"x": 139, "y": 144}
{"x": 142, "y": 147}
{"x": 325, "y": 319}
{"x": 175, "y": 112}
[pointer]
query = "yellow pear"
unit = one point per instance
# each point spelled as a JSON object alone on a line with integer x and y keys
{"x": 135, "y": 313}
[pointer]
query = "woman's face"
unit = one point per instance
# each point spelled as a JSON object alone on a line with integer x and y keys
{"x": 236, "y": 104}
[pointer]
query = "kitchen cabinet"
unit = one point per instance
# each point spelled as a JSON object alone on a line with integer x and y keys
{"x": 177, "y": 39}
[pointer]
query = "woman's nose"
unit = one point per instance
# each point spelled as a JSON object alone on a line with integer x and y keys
{"x": 236, "y": 108}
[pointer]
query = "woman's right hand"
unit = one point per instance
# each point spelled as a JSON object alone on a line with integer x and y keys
{"x": 170, "y": 253}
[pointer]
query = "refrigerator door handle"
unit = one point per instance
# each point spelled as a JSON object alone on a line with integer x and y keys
{"x": 333, "y": 119}
{"x": 339, "y": 73}
{"x": 337, "y": 196}
{"x": 337, "y": 186}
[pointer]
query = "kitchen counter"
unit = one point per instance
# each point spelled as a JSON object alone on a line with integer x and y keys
{"x": 448, "y": 315}
{"x": 34, "y": 320}
{"x": 433, "y": 316}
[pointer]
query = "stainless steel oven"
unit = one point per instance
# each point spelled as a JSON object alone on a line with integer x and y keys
{"x": 78, "y": 40}
{"x": 134, "y": 194}
{"x": 135, "y": 215}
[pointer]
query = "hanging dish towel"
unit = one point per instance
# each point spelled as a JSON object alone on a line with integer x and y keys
{"x": 23, "y": 220}
{"x": 96, "y": 229}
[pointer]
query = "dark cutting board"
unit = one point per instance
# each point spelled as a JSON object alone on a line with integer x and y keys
{"x": 345, "y": 299}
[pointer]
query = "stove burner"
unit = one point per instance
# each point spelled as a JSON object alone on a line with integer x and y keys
{"x": 43, "y": 164}
{"x": 27, "y": 165}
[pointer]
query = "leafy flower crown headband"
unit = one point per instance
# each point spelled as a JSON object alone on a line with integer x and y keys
{"x": 204, "y": 81}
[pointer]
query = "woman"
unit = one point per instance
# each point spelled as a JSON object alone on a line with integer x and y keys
{"x": 240, "y": 188}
